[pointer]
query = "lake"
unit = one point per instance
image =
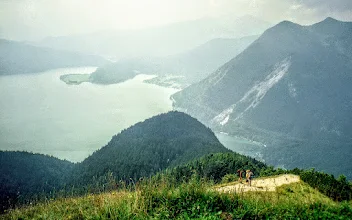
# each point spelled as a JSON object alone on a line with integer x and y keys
{"x": 241, "y": 145}
{"x": 42, "y": 114}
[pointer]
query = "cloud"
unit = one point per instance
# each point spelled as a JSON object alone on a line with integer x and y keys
{"x": 300, "y": 11}
{"x": 327, "y": 5}
{"x": 40, "y": 18}
{"x": 315, "y": 10}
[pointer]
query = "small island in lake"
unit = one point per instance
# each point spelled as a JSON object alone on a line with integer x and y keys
{"x": 75, "y": 79}
{"x": 169, "y": 81}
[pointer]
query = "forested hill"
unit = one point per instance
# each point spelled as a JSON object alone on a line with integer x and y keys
{"x": 23, "y": 175}
{"x": 173, "y": 140}
{"x": 162, "y": 141}
{"x": 20, "y": 58}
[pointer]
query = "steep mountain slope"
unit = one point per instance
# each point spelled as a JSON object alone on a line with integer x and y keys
{"x": 290, "y": 90}
{"x": 194, "y": 65}
{"x": 23, "y": 176}
{"x": 158, "y": 41}
{"x": 198, "y": 63}
{"x": 19, "y": 58}
{"x": 162, "y": 141}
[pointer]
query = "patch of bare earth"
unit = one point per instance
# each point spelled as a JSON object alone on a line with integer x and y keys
{"x": 265, "y": 184}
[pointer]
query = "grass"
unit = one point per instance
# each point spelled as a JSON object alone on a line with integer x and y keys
{"x": 87, "y": 207}
{"x": 295, "y": 193}
{"x": 192, "y": 200}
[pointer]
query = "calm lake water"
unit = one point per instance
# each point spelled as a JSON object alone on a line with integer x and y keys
{"x": 241, "y": 146}
{"x": 41, "y": 114}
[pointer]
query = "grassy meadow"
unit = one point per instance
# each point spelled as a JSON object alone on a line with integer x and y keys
{"x": 196, "y": 199}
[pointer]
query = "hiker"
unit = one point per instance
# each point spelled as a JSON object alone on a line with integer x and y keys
{"x": 249, "y": 176}
{"x": 240, "y": 172}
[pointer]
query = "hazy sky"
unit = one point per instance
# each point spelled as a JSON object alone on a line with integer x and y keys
{"x": 35, "y": 19}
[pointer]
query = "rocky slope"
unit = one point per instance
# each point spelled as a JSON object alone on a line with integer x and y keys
{"x": 290, "y": 90}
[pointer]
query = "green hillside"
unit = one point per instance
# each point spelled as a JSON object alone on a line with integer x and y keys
{"x": 24, "y": 176}
{"x": 163, "y": 141}
{"x": 192, "y": 200}
{"x": 193, "y": 191}
{"x": 214, "y": 167}
{"x": 148, "y": 147}
{"x": 169, "y": 166}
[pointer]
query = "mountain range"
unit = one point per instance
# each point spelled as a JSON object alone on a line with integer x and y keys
{"x": 289, "y": 90}
{"x": 158, "y": 41}
{"x": 20, "y": 58}
{"x": 190, "y": 66}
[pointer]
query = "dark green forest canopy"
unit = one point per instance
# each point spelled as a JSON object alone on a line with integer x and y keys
{"x": 174, "y": 146}
{"x": 24, "y": 174}
{"x": 163, "y": 141}
{"x": 215, "y": 167}
{"x": 148, "y": 147}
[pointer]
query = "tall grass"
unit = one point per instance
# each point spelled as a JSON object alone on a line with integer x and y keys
{"x": 193, "y": 199}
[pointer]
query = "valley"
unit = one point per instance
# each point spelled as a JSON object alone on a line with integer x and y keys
{"x": 76, "y": 115}
{"x": 172, "y": 119}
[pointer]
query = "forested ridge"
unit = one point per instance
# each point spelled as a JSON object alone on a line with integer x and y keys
{"x": 215, "y": 167}
{"x": 166, "y": 140}
{"x": 24, "y": 175}
{"x": 148, "y": 147}
{"x": 172, "y": 147}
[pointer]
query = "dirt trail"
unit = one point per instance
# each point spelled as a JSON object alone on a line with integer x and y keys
{"x": 265, "y": 184}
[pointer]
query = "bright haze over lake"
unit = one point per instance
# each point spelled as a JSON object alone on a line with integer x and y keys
{"x": 42, "y": 114}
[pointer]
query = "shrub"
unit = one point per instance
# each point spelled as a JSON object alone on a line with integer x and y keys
{"x": 229, "y": 178}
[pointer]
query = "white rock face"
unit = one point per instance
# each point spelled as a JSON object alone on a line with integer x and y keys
{"x": 224, "y": 116}
{"x": 253, "y": 97}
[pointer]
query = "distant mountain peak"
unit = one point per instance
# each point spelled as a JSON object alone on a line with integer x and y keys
{"x": 330, "y": 19}
{"x": 295, "y": 103}
{"x": 331, "y": 26}
{"x": 283, "y": 27}
{"x": 287, "y": 23}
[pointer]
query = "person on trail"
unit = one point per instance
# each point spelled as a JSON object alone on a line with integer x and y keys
{"x": 249, "y": 176}
{"x": 239, "y": 172}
